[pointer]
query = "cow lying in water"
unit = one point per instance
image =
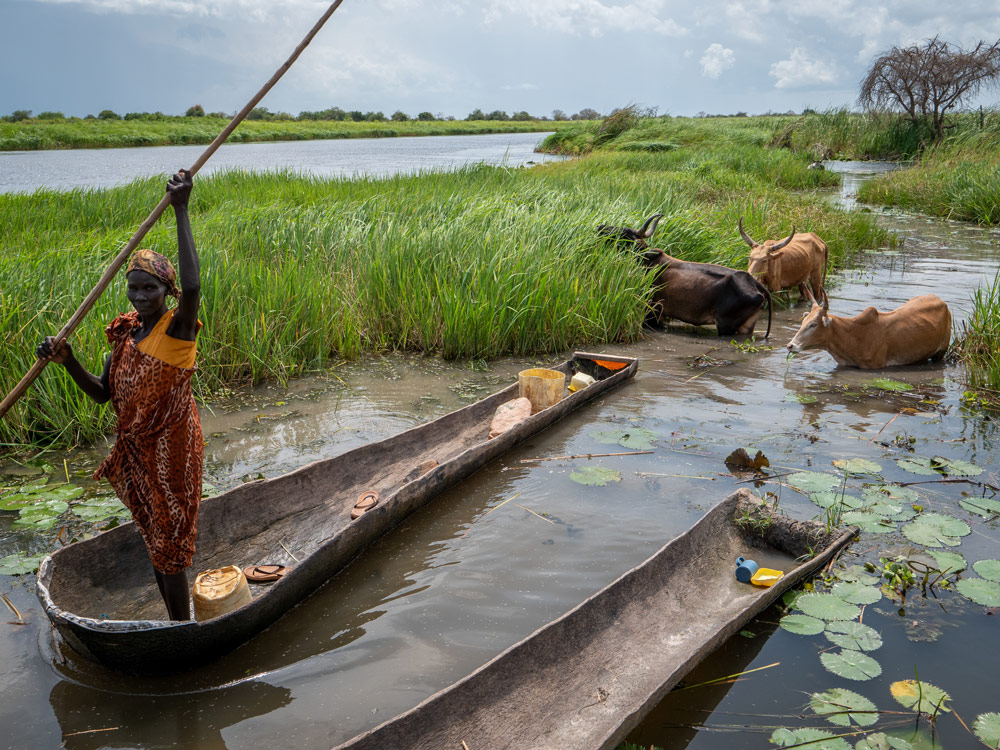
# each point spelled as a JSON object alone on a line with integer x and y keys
{"x": 696, "y": 293}
{"x": 919, "y": 330}
{"x": 798, "y": 260}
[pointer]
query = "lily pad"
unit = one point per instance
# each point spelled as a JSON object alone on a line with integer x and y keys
{"x": 815, "y": 739}
{"x": 853, "y": 635}
{"x": 802, "y": 624}
{"x": 920, "y": 696}
{"x": 892, "y": 510}
{"x": 980, "y": 591}
{"x": 866, "y": 521}
{"x": 595, "y": 476}
{"x": 987, "y": 729}
{"x": 635, "y": 438}
{"x": 880, "y": 741}
{"x": 936, "y": 530}
{"x": 857, "y": 466}
{"x": 948, "y": 562}
{"x": 939, "y": 465}
{"x": 827, "y": 607}
{"x": 832, "y": 499}
{"x": 813, "y": 481}
{"x": 100, "y": 509}
{"x": 840, "y": 706}
{"x": 856, "y": 593}
{"x": 888, "y": 384}
{"x": 857, "y": 574}
{"x": 891, "y": 492}
{"x": 982, "y": 506}
{"x": 39, "y": 492}
{"x": 851, "y": 664}
{"x": 20, "y": 564}
{"x": 988, "y": 569}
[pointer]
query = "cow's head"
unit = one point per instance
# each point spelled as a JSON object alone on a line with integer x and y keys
{"x": 765, "y": 258}
{"x": 815, "y": 329}
{"x": 631, "y": 239}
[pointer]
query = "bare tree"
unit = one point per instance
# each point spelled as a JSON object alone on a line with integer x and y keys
{"x": 927, "y": 80}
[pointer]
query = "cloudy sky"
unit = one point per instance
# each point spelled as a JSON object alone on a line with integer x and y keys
{"x": 452, "y": 56}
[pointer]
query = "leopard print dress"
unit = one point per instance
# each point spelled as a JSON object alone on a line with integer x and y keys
{"x": 155, "y": 466}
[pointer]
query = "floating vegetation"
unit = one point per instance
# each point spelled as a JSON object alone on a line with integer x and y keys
{"x": 853, "y": 635}
{"x": 938, "y": 466}
{"x": 980, "y": 591}
{"x": 981, "y": 506}
{"x": 866, "y": 521}
{"x": 936, "y": 530}
{"x": 634, "y": 439}
{"x": 818, "y": 739}
{"x": 20, "y": 564}
{"x": 595, "y": 476}
{"x": 988, "y": 569}
{"x": 841, "y": 707}
{"x": 102, "y": 509}
{"x": 948, "y": 562}
{"x": 802, "y": 624}
{"x": 813, "y": 481}
{"x": 856, "y": 593}
{"x": 831, "y": 499}
{"x": 857, "y": 466}
{"x": 987, "y": 729}
{"x": 888, "y": 384}
{"x": 827, "y": 607}
{"x": 851, "y": 664}
{"x": 921, "y": 696}
{"x": 880, "y": 741}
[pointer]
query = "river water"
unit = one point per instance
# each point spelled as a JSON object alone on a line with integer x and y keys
{"x": 26, "y": 171}
{"x": 456, "y": 584}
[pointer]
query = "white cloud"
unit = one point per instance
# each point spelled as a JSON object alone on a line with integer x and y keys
{"x": 587, "y": 17}
{"x": 746, "y": 19}
{"x": 800, "y": 71}
{"x": 715, "y": 60}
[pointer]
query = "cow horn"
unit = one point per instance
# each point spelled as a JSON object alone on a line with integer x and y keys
{"x": 826, "y": 302}
{"x": 784, "y": 242}
{"x": 650, "y": 226}
{"x": 810, "y": 296}
{"x": 746, "y": 237}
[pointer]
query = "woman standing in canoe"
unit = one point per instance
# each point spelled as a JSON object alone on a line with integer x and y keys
{"x": 155, "y": 466}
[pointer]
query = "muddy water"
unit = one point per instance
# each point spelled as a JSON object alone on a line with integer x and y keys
{"x": 471, "y": 574}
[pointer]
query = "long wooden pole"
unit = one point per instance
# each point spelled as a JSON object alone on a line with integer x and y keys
{"x": 21, "y": 388}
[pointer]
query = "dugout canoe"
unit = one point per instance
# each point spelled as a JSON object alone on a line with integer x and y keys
{"x": 100, "y": 593}
{"x": 585, "y": 680}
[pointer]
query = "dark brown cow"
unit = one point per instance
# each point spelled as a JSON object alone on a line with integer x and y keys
{"x": 798, "y": 260}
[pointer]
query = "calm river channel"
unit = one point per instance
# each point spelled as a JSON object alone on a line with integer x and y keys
{"x": 456, "y": 584}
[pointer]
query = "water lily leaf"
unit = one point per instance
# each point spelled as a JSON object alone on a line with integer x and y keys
{"x": 853, "y": 635}
{"x": 20, "y": 564}
{"x": 802, "y": 624}
{"x": 880, "y": 741}
{"x": 595, "y": 476}
{"x": 37, "y": 492}
{"x": 634, "y": 438}
{"x": 39, "y": 523}
{"x": 888, "y": 384}
{"x": 982, "y": 506}
{"x": 100, "y": 509}
{"x": 980, "y": 591}
{"x": 867, "y": 522}
{"x": 813, "y": 481}
{"x": 948, "y": 562}
{"x": 831, "y": 499}
{"x": 920, "y": 696}
{"x": 988, "y": 569}
{"x": 856, "y": 593}
{"x": 790, "y": 597}
{"x": 939, "y": 465}
{"x": 840, "y": 706}
{"x": 857, "y": 574}
{"x": 851, "y": 665}
{"x": 857, "y": 466}
{"x": 890, "y": 492}
{"x": 918, "y": 465}
{"x": 936, "y": 530}
{"x": 957, "y": 468}
{"x": 892, "y": 510}
{"x": 815, "y": 739}
{"x": 827, "y": 607}
{"x": 16, "y": 501}
{"x": 987, "y": 729}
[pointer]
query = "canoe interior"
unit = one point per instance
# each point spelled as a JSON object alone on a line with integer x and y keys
{"x": 104, "y": 586}
{"x": 586, "y": 679}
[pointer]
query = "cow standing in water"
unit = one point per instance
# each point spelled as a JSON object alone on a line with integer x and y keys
{"x": 798, "y": 260}
{"x": 695, "y": 293}
{"x": 918, "y": 330}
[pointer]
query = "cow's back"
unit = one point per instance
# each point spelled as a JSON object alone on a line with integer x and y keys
{"x": 918, "y": 330}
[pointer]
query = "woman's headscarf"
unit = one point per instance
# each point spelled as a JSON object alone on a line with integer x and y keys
{"x": 155, "y": 265}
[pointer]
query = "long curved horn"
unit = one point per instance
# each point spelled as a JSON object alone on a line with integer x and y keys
{"x": 746, "y": 237}
{"x": 647, "y": 230}
{"x": 784, "y": 242}
{"x": 810, "y": 296}
{"x": 826, "y": 302}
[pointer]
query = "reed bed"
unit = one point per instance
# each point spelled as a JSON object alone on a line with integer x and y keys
{"x": 979, "y": 345}
{"x": 59, "y": 134}
{"x": 480, "y": 263}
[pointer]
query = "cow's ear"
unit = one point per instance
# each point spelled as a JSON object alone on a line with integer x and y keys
{"x": 826, "y": 320}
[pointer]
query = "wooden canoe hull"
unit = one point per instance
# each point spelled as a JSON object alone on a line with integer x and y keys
{"x": 100, "y": 594}
{"x": 588, "y": 678}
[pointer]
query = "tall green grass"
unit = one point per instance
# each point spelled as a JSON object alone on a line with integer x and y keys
{"x": 42, "y": 134}
{"x": 979, "y": 345}
{"x": 480, "y": 263}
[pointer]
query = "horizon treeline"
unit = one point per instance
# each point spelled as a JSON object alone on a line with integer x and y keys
{"x": 330, "y": 114}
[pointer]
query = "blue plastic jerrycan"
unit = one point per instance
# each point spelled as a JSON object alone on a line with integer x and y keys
{"x": 745, "y": 569}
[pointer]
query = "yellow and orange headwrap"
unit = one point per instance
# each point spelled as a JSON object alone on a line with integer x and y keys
{"x": 155, "y": 265}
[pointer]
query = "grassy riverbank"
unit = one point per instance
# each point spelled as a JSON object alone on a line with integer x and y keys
{"x": 479, "y": 264}
{"x": 176, "y": 131}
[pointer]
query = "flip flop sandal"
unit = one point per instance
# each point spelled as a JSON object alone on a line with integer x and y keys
{"x": 366, "y": 502}
{"x": 264, "y": 573}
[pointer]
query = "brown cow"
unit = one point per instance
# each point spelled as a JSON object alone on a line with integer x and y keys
{"x": 794, "y": 261}
{"x": 919, "y": 330}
